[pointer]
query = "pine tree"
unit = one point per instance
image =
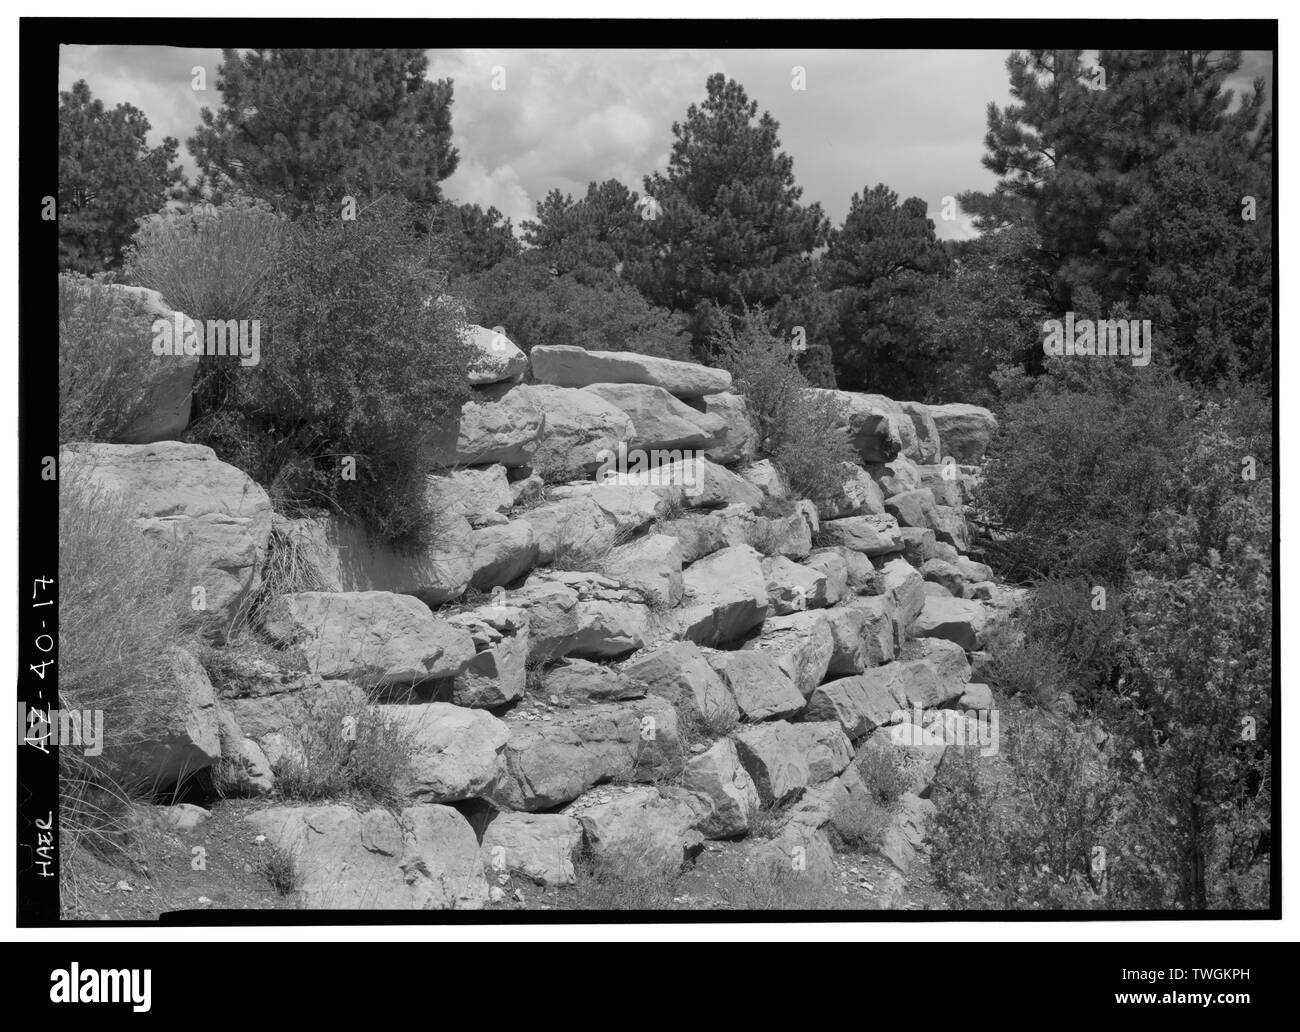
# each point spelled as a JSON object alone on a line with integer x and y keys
{"x": 305, "y": 128}
{"x": 108, "y": 177}
{"x": 725, "y": 223}
{"x": 590, "y": 238}
{"x": 880, "y": 263}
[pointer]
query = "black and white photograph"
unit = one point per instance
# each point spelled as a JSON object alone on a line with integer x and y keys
{"x": 560, "y": 472}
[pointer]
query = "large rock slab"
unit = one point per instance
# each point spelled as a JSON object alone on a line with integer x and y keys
{"x": 964, "y": 430}
{"x": 912, "y": 508}
{"x": 499, "y": 424}
{"x": 905, "y": 589}
{"x": 423, "y": 858}
{"x": 718, "y": 775}
{"x": 549, "y": 764}
{"x": 858, "y": 704}
{"x": 582, "y": 429}
{"x": 660, "y": 421}
{"x": 741, "y": 442}
{"x": 774, "y": 758}
{"x": 956, "y": 619}
{"x": 652, "y": 565}
{"x": 183, "y": 492}
{"x": 568, "y": 366}
{"x": 679, "y": 672}
{"x": 494, "y": 356}
{"x": 762, "y": 690}
{"x": 179, "y": 738}
{"x": 862, "y": 635}
{"x": 536, "y": 846}
{"x": 343, "y": 557}
{"x": 503, "y": 553}
{"x": 647, "y": 829}
{"x": 870, "y": 535}
{"x": 372, "y": 637}
{"x": 477, "y": 493}
{"x": 498, "y": 673}
{"x": 875, "y": 425}
{"x": 455, "y": 751}
{"x": 856, "y": 494}
{"x": 161, "y": 408}
{"x": 801, "y": 644}
{"x": 725, "y": 596}
{"x": 928, "y": 447}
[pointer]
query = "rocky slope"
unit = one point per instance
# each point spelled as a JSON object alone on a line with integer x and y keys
{"x": 608, "y": 666}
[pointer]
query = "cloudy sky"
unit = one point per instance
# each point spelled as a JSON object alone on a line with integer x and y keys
{"x": 912, "y": 119}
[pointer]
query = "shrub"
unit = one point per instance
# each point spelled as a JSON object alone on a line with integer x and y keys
{"x": 364, "y": 360}
{"x": 122, "y": 604}
{"x": 104, "y": 359}
{"x": 1033, "y": 840}
{"x": 796, "y": 427}
{"x": 882, "y": 775}
{"x": 1076, "y": 469}
{"x": 346, "y": 747}
{"x": 210, "y": 262}
{"x": 537, "y": 308}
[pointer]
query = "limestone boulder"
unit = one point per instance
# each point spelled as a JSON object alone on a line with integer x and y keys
{"x": 423, "y": 858}
{"x": 964, "y": 430}
{"x": 183, "y": 493}
{"x": 567, "y": 366}
{"x": 371, "y": 637}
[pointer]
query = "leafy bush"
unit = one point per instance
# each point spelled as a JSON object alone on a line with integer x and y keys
{"x": 363, "y": 360}
{"x": 104, "y": 359}
{"x": 1076, "y": 469}
{"x": 796, "y": 426}
{"x": 537, "y": 308}
{"x": 1042, "y": 838}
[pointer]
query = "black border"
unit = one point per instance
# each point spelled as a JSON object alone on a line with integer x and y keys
{"x": 39, "y": 39}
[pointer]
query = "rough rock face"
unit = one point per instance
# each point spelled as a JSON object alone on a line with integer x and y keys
{"x": 792, "y": 588}
{"x": 858, "y": 494}
{"x": 495, "y": 426}
{"x": 456, "y": 752}
{"x": 741, "y": 441}
{"x": 549, "y": 764}
{"x": 583, "y": 430}
{"x": 498, "y": 672}
{"x": 503, "y": 553}
{"x": 537, "y": 846}
{"x": 661, "y": 421}
{"x": 344, "y": 557}
{"x": 423, "y": 858}
{"x": 718, "y": 775}
{"x": 183, "y": 492}
{"x": 912, "y": 508}
{"x": 648, "y": 829}
{"x": 180, "y": 741}
{"x": 956, "y": 619}
{"x": 964, "y": 430}
{"x": 870, "y": 535}
{"x": 163, "y": 410}
{"x": 477, "y": 493}
{"x": 679, "y": 672}
{"x": 761, "y": 688}
{"x": 858, "y": 704}
{"x": 567, "y": 366}
{"x": 772, "y": 756}
{"x": 801, "y": 644}
{"x": 905, "y": 590}
{"x": 370, "y": 636}
{"x": 725, "y": 596}
{"x": 928, "y": 442}
{"x": 875, "y": 425}
{"x": 495, "y": 356}
{"x": 652, "y": 565}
